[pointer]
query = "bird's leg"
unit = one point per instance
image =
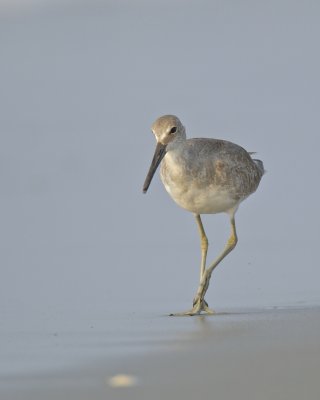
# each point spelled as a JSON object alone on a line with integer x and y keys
{"x": 204, "y": 284}
{"x": 204, "y": 245}
{"x": 199, "y": 303}
{"x": 203, "y": 305}
{"x": 204, "y": 250}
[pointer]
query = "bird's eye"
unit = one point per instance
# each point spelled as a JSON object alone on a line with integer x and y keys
{"x": 173, "y": 130}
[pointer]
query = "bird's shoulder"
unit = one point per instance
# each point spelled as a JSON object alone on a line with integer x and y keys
{"x": 216, "y": 148}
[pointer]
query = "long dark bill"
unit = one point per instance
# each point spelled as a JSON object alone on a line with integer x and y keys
{"x": 159, "y": 153}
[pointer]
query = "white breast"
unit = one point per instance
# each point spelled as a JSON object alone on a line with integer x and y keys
{"x": 185, "y": 190}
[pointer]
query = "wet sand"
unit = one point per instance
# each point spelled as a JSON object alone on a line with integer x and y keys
{"x": 239, "y": 354}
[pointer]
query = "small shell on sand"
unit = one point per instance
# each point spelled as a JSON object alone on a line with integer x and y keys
{"x": 122, "y": 380}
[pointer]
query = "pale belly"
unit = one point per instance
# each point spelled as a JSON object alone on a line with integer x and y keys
{"x": 211, "y": 200}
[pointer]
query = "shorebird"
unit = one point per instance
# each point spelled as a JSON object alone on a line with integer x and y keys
{"x": 203, "y": 176}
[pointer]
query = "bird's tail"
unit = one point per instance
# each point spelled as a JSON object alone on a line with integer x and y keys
{"x": 260, "y": 166}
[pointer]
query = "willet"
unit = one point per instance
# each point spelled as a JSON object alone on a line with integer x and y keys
{"x": 204, "y": 176}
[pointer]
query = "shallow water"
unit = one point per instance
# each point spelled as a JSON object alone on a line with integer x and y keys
{"x": 27, "y": 354}
{"x": 161, "y": 355}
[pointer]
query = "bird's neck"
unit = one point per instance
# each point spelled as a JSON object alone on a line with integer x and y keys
{"x": 177, "y": 142}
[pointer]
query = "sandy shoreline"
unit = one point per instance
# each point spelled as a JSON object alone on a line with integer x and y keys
{"x": 262, "y": 354}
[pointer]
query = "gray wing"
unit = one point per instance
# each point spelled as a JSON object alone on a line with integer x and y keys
{"x": 225, "y": 164}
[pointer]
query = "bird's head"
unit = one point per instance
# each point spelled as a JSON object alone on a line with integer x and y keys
{"x": 168, "y": 130}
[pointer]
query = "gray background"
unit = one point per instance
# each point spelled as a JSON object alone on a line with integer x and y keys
{"x": 81, "y": 83}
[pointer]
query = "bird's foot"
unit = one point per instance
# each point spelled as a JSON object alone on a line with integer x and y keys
{"x": 199, "y": 306}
